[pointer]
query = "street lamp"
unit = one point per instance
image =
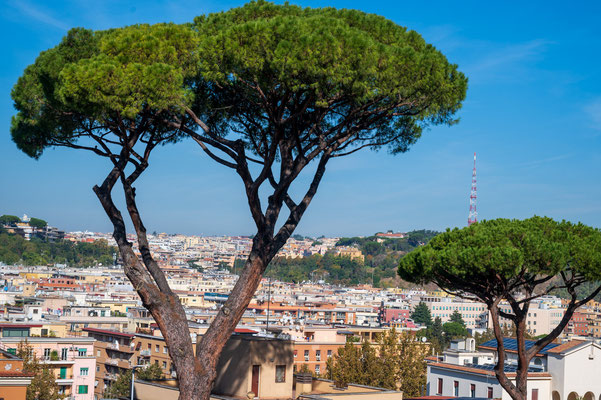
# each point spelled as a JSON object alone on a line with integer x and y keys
{"x": 133, "y": 372}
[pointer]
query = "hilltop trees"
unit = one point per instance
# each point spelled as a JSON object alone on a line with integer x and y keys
{"x": 516, "y": 262}
{"x": 271, "y": 92}
{"x": 15, "y": 249}
{"x": 9, "y": 219}
{"x": 38, "y": 223}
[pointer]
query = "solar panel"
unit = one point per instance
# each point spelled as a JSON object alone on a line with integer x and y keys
{"x": 511, "y": 344}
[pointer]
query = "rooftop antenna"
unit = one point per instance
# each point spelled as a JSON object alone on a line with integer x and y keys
{"x": 473, "y": 215}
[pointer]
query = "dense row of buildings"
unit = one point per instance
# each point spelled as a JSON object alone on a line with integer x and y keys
{"x": 88, "y": 324}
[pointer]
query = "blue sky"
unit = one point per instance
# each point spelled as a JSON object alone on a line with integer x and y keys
{"x": 532, "y": 113}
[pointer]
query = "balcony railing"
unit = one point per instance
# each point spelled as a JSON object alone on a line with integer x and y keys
{"x": 112, "y": 377}
{"x": 145, "y": 353}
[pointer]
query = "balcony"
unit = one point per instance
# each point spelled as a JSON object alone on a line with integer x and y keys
{"x": 118, "y": 362}
{"x": 67, "y": 380}
{"x": 119, "y": 347}
{"x": 48, "y": 361}
{"x": 111, "y": 377}
{"x": 145, "y": 353}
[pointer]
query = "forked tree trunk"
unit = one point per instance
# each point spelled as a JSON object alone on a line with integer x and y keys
{"x": 196, "y": 372}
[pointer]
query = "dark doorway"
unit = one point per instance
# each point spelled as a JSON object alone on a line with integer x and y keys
{"x": 255, "y": 379}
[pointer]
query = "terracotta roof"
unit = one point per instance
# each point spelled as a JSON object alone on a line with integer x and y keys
{"x": 244, "y": 330}
{"x": 20, "y": 325}
{"x": 566, "y": 346}
{"x": 107, "y": 332}
{"x": 15, "y": 374}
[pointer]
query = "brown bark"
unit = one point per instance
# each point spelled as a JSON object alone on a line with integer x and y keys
{"x": 500, "y": 367}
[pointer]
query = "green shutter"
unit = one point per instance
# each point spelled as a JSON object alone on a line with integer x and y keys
{"x": 82, "y": 389}
{"x": 63, "y": 373}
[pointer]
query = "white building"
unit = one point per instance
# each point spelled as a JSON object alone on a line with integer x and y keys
{"x": 567, "y": 371}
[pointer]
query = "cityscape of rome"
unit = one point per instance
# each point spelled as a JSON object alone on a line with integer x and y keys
{"x": 190, "y": 209}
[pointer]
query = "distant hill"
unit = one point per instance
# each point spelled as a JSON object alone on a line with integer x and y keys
{"x": 15, "y": 249}
{"x": 380, "y": 264}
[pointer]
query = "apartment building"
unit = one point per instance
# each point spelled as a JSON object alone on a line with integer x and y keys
{"x": 71, "y": 359}
{"x": 473, "y": 313}
{"x": 113, "y": 351}
{"x": 314, "y": 355}
{"x": 578, "y": 324}
{"x": 541, "y": 319}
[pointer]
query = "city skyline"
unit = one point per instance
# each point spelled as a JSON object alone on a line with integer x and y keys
{"x": 532, "y": 113}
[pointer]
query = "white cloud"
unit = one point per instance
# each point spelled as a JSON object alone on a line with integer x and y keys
{"x": 593, "y": 110}
{"x": 39, "y": 15}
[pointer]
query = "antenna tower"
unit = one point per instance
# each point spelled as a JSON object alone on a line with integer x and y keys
{"x": 473, "y": 215}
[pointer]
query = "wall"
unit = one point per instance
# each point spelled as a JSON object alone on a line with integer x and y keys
{"x": 237, "y": 359}
{"x": 13, "y": 392}
{"x": 579, "y": 374}
{"x": 482, "y": 382}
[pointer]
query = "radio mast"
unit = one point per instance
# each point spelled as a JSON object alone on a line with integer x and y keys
{"x": 473, "y": 215}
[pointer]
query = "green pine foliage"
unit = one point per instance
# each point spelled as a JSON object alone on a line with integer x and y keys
{"x": 421, "y": 315}
{"x": 38, "y": 223}
{"x": 15, "y": 249}
{"x": 333, "y": 269}
{"x": 456, "y": 317}
{"x": 9, "y": 219}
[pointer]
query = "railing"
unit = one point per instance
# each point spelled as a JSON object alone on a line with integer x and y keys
{"x": 112, "y": 377}
{"x": 145, "y": 353}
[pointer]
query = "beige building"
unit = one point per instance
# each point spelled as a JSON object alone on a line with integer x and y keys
{"x": 260, "y": 365}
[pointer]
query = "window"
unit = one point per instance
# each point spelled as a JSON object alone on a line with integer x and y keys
{"x": 329, "y": 353}
{"x": 64, "y": 352}
{"x": 534, "y": 394}
{"x": 318, "y": 355}
{"x": 317, "y": 369}
{"x": 439, "y": 385}
{"x": 47, "y": 354}
{"x": 456, "y": 388}
{"x": 489, "y": 393}
{"x": 98, "y": 368}
{"x": 164, "y": 364}
{"x": 472, "y": 390}
{"x": 97, "y": 353}
{"x": 306, "y": 355}
{"x": 164, "y": 349}
{"x": 83, "y": 371}
{"x": 82, "y": 352}
{"x": 82, "y": 389}
{"x": 280, "y": 373}
{"x": 156, "y": 348}
{"x": 295, "y": 353}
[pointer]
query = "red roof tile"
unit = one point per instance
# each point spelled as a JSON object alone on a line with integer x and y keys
{"x": 566, "y": 346}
